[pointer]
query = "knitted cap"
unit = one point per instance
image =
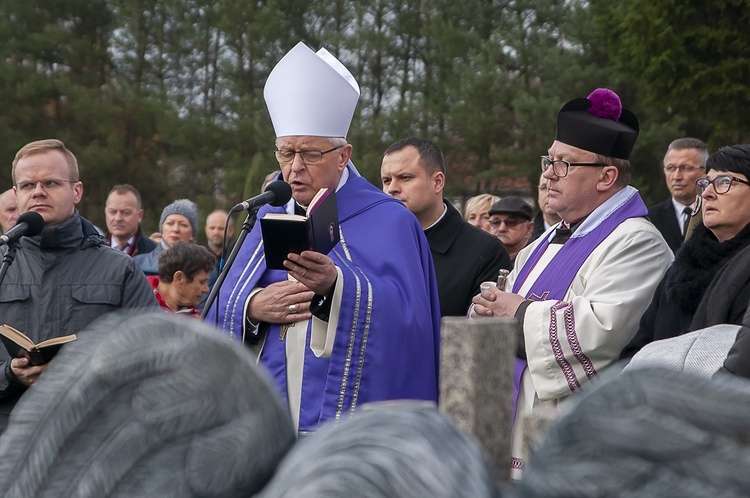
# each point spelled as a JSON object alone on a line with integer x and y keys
{"x": 186, "y": 208}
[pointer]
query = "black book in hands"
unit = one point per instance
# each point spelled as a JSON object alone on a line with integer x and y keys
{"x": 286, "y": 233}
{"x": 19, "y": 345}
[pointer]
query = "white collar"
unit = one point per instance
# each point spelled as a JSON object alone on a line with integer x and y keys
{"x": 604, "y": 211}
{"x": 679, "y": 209}
{"x": 445, "y": 210}
{"x": 344, "y": 177}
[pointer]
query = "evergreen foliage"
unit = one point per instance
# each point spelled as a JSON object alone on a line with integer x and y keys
{"x": 167, "y": 94}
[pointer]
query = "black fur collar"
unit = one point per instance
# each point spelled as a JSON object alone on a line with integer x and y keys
{"x": 696, "y": 263}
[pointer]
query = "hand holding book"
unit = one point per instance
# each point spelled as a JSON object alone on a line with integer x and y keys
{"x": 19, "y": 345}
{"x": 316, "y": 271}
{"x": 290, "y": 233}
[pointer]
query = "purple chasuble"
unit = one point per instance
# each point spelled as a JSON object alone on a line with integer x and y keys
{"x": 388, "y": 334}
{"x": 556, "y": 278}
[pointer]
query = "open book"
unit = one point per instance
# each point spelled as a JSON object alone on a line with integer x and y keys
{"x": 285, "y": 233}
{"x": 19, "y": 345}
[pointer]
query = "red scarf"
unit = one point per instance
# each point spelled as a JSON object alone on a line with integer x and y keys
{"x": 153, "y": 280}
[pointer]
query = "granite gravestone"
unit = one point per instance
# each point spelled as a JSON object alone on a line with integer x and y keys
{"x": 477, "y": 362}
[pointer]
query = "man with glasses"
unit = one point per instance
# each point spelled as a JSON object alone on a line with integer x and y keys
{"x": 579, "y": 291}
{"x": 546, "y": 217}
{"x": 510, "y": 221}
{"x": 357, "y": 325}
{"x": 67, "y": 276}
{"x": 684, "y": 163}
{"x": 413, "y": 171}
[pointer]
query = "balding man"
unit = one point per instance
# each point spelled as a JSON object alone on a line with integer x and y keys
{"x": 215, "y": 223}
{"x": 8, "y": 209}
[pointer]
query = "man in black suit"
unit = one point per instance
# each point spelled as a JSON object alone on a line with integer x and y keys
{"x": 684, "y": 163}
{"x": 413, "y": 171}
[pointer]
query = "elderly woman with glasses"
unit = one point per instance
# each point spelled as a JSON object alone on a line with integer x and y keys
{"x": 709, "y": 281}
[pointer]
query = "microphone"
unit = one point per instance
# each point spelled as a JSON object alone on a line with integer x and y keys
{"x": 28, "y": 224}
{"x": 277, "y": 193}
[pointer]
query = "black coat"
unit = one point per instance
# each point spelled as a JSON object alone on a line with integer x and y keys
{"x": 738, "y": 358}
{"x": 708, "y": 284}
{"x": 464, "y": 256}
{"x": 143, "y": 244}
{"x": 539, "y": 228}
{"x": 663, "y": 217}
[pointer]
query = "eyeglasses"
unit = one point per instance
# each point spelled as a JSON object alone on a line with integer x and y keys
{"x": 308, "y": 156}
{"x": 47, "y": 185}
{"x": 682, "y": 168}
{"x": 721, "y": 183}
{"x": 560, "y": 166}
{"x": 510, "y": 223}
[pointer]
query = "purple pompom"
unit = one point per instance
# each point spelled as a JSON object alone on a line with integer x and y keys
{"x": 605, "y": 104}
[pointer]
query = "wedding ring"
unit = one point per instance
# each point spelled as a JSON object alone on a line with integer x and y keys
{"x": 292, "y": 308}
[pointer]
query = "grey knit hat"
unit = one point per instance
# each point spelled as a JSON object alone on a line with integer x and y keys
{"x": 186, "y": 208}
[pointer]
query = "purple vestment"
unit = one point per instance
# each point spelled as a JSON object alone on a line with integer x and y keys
{"x": 555, "y": 279}
{"x": 388, "y": 335}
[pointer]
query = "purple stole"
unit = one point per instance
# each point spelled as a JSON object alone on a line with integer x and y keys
{"x": 555, "y": 280}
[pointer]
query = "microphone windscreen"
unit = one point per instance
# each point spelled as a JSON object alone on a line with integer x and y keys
{"x": 282, "y": 190}
{"x": 33, "y": 220}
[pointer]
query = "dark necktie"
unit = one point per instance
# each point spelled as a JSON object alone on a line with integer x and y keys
{"x": 687, "y": 211}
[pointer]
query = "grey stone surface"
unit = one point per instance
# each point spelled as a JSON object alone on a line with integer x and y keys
{"x": 476, "y": 382}
{"x": 150, "y": 405}
{"x": 405, "y": 450}
{"x": 535, "y": 426}
{"x": 647, "y": 432}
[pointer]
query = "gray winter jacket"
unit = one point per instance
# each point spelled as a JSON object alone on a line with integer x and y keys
{"x": 60, "y": 281}
{"x": 149, "y": 262}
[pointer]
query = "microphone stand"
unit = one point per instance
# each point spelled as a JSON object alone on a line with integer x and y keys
{"x": 246, "y": 227}
{"x": 10, "y": 255}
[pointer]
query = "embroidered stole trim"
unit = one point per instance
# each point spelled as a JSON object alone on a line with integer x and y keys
{"x": 557, "y": 277}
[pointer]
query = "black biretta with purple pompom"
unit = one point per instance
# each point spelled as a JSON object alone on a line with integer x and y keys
{"x": 598, "y": 124}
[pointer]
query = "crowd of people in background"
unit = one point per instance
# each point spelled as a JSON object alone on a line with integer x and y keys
{"x": 594, "y": 274}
